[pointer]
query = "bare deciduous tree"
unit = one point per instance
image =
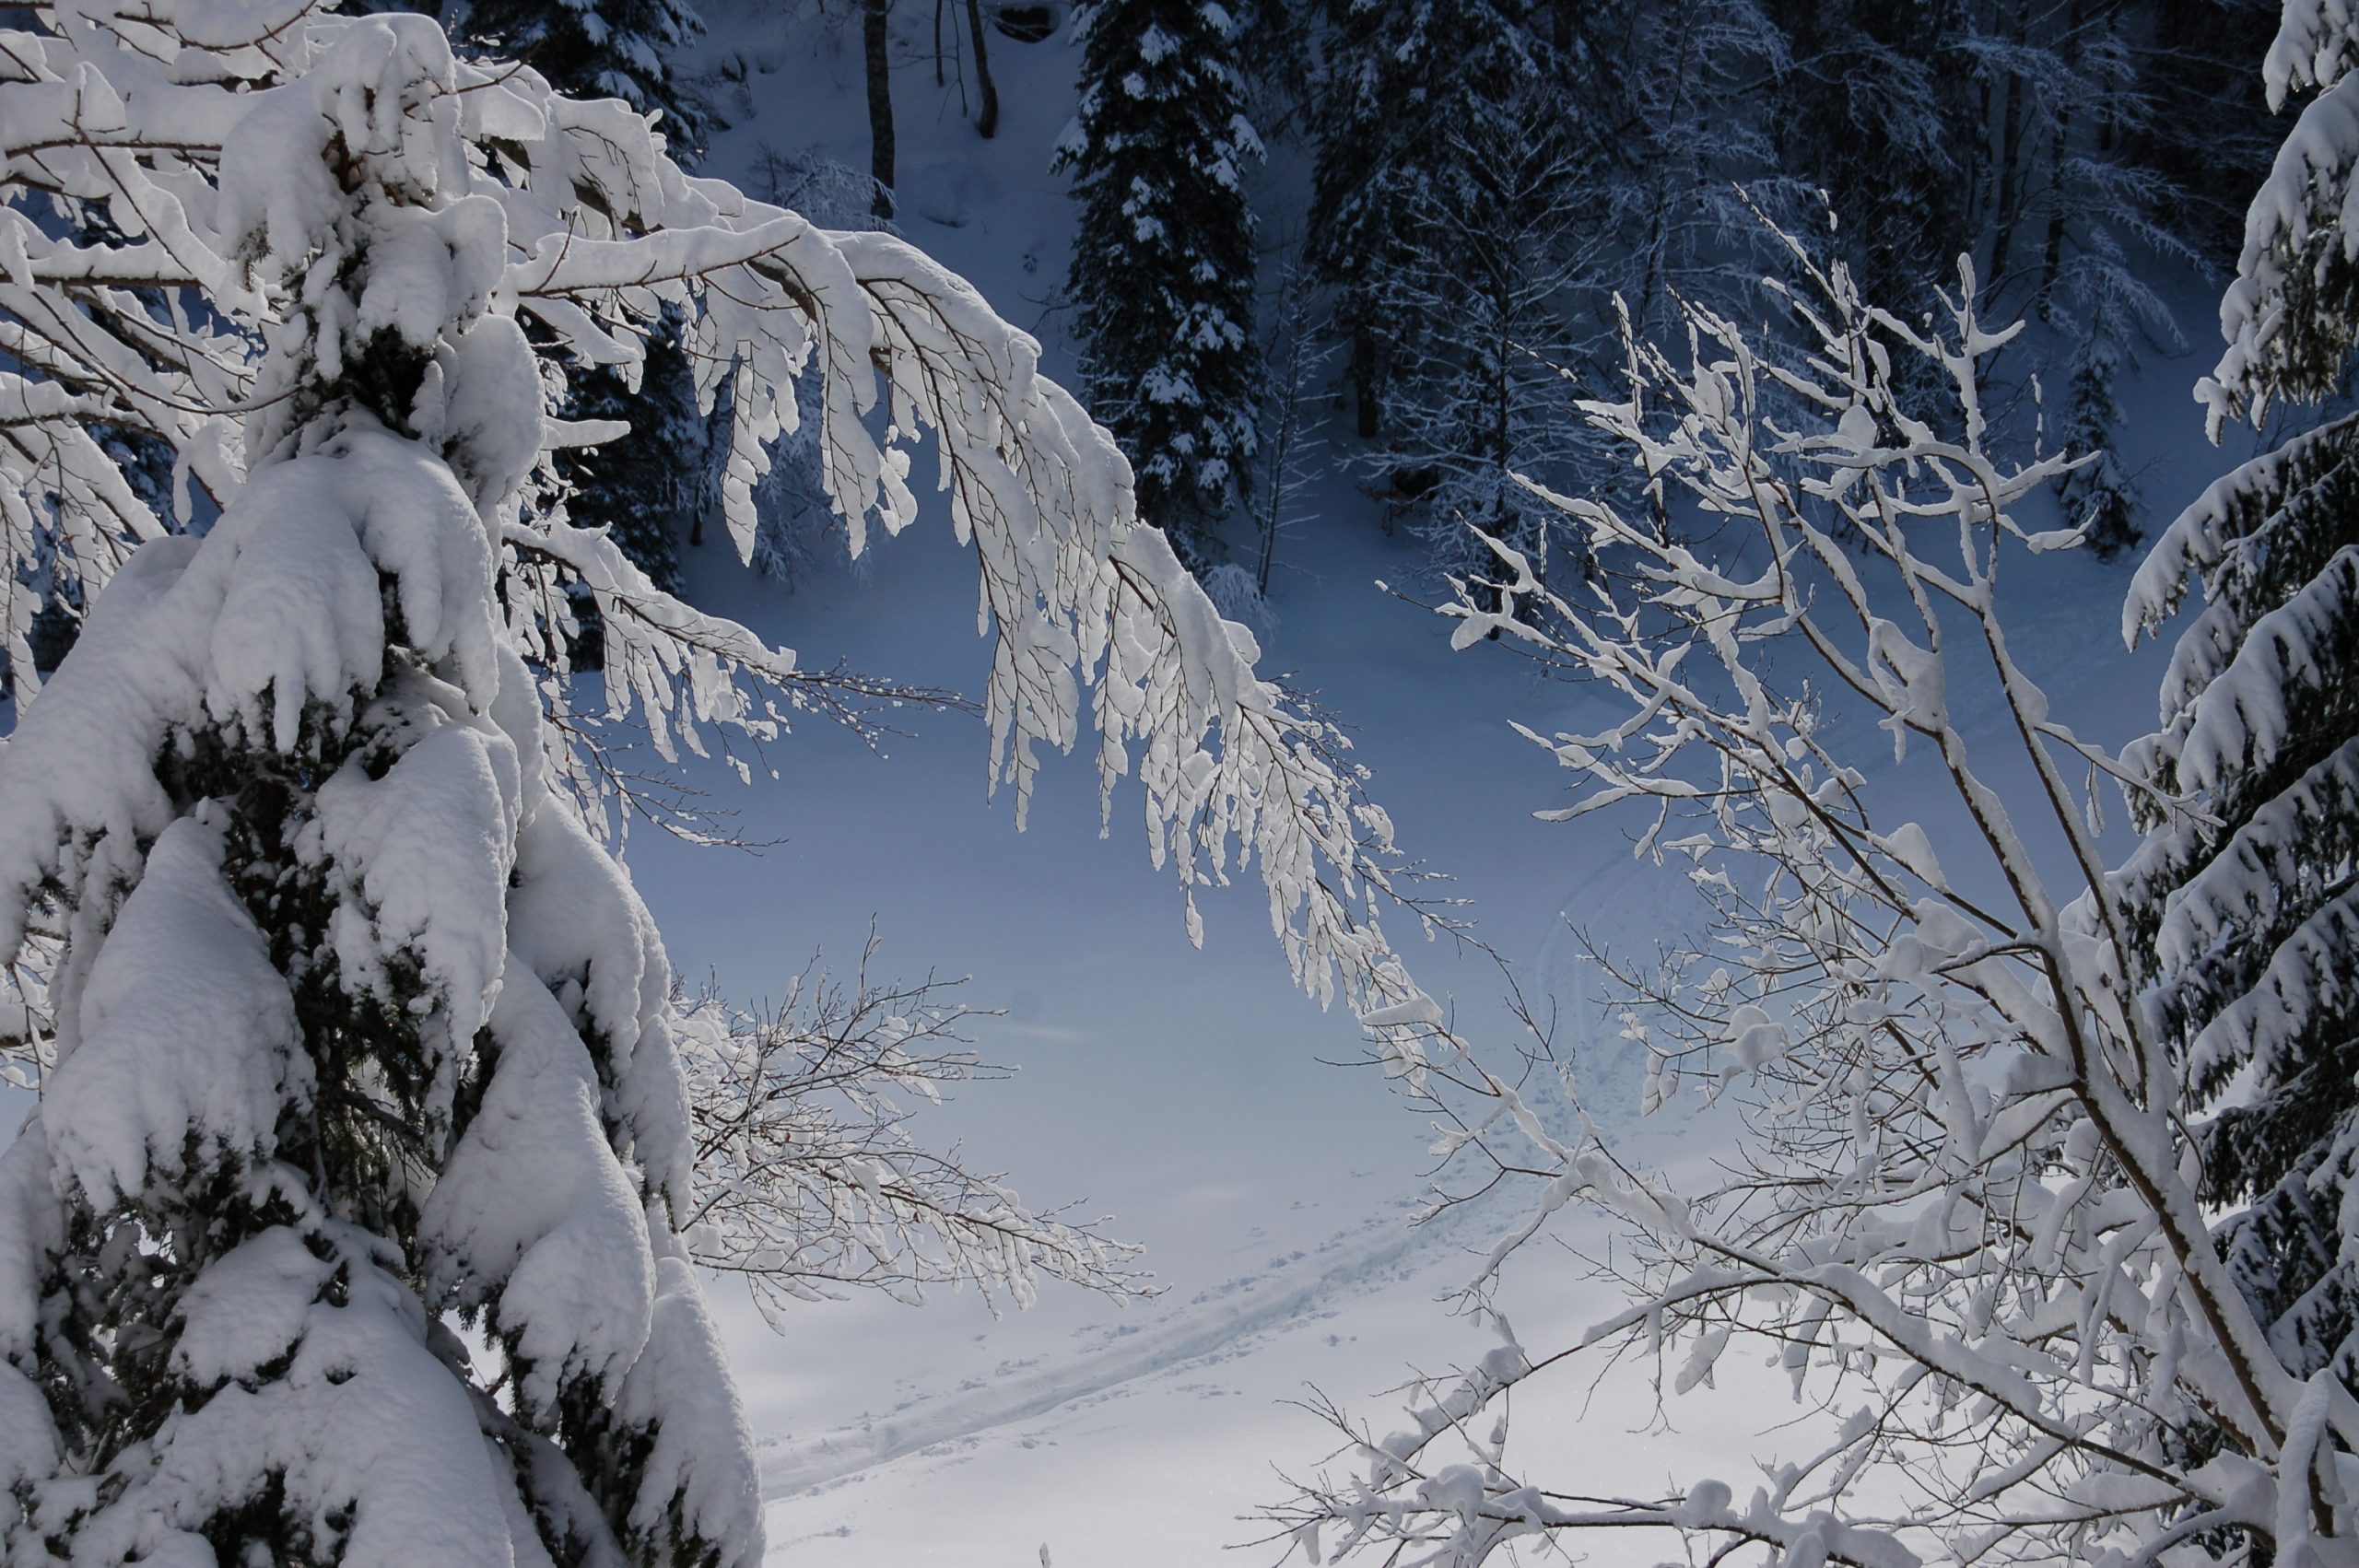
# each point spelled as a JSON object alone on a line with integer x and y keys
{"x": 1964, "y": 1217}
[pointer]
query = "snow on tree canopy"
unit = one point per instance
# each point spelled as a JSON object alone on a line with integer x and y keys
{"x": 359, "y": 1028}
{"x": 1162, "y": 264}
{"x": 2293, "y": 310}
{"x": 2244, "y": 884}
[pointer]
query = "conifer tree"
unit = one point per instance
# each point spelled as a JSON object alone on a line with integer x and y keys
{"x": 1480, "y": 396}
{"x": 2249, "y": 894}
{"x": 2208, "y": 128}
{"x": 1402, "y": 86}
{"x": 357, "y": 1025}
{"x": 1870, "y": 108}
{"x": 653, "y": 484}
{"x": 2102, "y": 494}
{"x": 1678, "y": 166}
{"x": 1164, "y": 262}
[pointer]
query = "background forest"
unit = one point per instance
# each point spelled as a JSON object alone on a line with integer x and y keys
{"x": 1434, "y": 218}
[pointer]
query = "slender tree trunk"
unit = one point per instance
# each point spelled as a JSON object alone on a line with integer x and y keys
{"x": 1976, "y": 186}
{"x": 988, "y": 122}
{"x": 1364, "y": 379}
{"x": 2012, "y": 173}
{"x": 1281, "y": 450}
{"x": 1658, "y": 264}
{"x": 939, "y": 80}
{"x": 873, "y": 40}
{"x": 1269, "y": 554}
{"x": 2052, "y": 263}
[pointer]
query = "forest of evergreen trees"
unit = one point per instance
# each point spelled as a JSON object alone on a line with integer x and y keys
{"x": 1490, "y": 177}
{"x": 1492, "y": 184}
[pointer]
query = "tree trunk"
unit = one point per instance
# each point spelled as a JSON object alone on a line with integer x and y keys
{"x": 1281, "y": 454}
{"x": 1364, "y": 392}
{"x": 2052, "y": 262}
{"x": 874, "y": 40}
{"x": 2007, "y": 211}
{"x": 939, "y": 80}
{"x": 988, "y": 122}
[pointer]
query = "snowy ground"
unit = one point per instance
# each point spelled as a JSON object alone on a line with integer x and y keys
{"x": 1182, "y": 1091}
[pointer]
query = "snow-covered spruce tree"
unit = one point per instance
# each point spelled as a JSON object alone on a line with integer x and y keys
{"x": 2082, "y": 223}
{"x": 350, "y": 1031}
{"x": 1480, "y": 397}
{"x": 2246, "y": 885}
{"x": 352, "y": 1017}
{"x": 1678, "y": 162}
{"x": 1957, "y": 1204}
{"x": 650, "y": 488}
{"x": 1163, "y": 257}
{"x": 1401, "y": 83}
{"x": 1289, "y": 435}
{"x": 2102, "y": 493}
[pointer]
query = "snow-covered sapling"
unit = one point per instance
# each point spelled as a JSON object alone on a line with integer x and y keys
{"x": 1964, "y": 1214}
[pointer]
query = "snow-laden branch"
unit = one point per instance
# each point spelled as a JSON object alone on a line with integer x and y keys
{"x": 808, "y": 1183}
{"x": 350, "y": 1028}
{"x": 1964, "y": 1217}
{"x": 152, "y": 309}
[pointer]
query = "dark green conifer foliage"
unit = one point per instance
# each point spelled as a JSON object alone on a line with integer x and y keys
{"x": 1872, "y": 108}
{"x": 2101, "y": 496}
{"x": 1163, "y": 260}
{"x": 597, "y": 49}
{"x": 1404, "y": 87}
{"x": 647, "y": 488}
{"x": 2248, "y": 900}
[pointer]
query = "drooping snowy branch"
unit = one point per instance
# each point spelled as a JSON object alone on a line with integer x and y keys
{"x": 164, "y": 326}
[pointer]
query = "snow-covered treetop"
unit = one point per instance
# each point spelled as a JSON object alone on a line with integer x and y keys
{"x": 2287, "y": 318}
{"x": 177, "y": 252}
{"x": 2316, "y": 42}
